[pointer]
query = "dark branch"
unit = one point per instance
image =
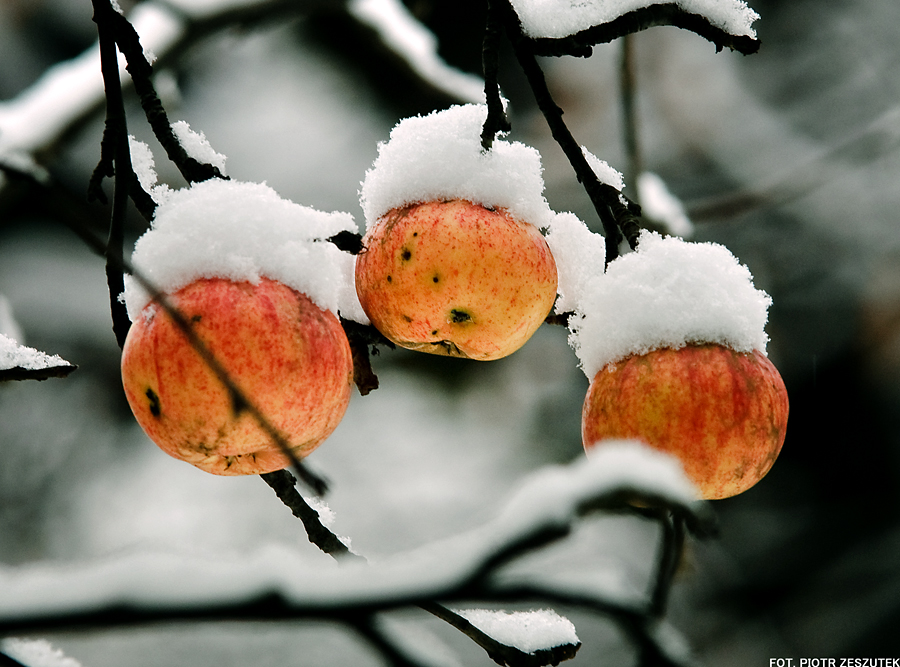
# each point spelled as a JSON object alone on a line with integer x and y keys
{"x": 668, "y": 14}
{"x": 283, "y": 484}
{"x": 19, "y": 373}
{"x": 7, "y": 661}
{"x": 496, "y": 120}
{"x": 141, "y": 72}
{"x": 607, "y": 200}
{"x": 114, "y": 149}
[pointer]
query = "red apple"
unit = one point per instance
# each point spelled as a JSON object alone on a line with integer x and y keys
{"x": 455, "y": 278}
{"x": 722, "y": 413}
{"x": 289, "y": 357}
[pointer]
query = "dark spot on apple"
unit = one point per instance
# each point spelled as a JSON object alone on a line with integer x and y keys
{"x": 390, "y": 279}
{"x": 415, "y": 234}
{"x": 196, "y": 318}
{"x": 434, "y": 333}
{"x": 407, "y": 318}
{"x": 154, "y": 403}
{"x": 458, "y": 316}
{"x": 406, "y": 254}
{"x": 435, "y": 279}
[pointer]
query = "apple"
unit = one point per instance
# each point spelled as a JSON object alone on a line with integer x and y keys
{"x": 289, "y": 357}
{"x": 455, "y": 278}
{"x": 722, "y": 413}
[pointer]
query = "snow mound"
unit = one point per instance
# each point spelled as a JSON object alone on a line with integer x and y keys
{"x": 439, "y": 156}
{"x": 242, "y": 232}
{"x": 528, "y": 631}
{"x": 13, "y": 355}
{"x": 668, "y": 293}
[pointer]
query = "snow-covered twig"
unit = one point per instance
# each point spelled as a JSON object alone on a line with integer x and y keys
{"x": 275, "y": 584}
{"x": 654, "y": 15}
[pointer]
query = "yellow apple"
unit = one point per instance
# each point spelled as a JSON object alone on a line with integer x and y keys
{"x": 722, "y": 413}
{"x": 455, "y": 278}
{"x": 289, "y": 357}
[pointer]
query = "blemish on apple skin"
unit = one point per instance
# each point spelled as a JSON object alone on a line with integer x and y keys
{"x": 406, "y": 254}
{"x": 458, "y": 316}
{"x": 389, "y": 279}
{"x": 154, "y": 402}
{"x": 435, "y": 279}
{"x": 196, "y": 318}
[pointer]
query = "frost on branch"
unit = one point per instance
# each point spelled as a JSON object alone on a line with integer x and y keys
{"x": 562, "y": 18}
{"x": 668, "y": 293}
{"x": 244, "y": 231}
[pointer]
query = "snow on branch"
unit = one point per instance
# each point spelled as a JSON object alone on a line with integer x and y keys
{"x": 20, "y": 362}
{"x": 566, "y": 27}
{"x": 276, "y": 583}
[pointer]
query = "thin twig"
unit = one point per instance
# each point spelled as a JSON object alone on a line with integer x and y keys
{"x": 115, "y": 133}
{"x": 141, "y": 72}
{"x": 283, "y": 484}
{"x": 496, "y": 120}
{"x": 617, "y": 213}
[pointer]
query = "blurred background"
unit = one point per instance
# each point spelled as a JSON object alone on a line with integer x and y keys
{"x": 789, "y": 157}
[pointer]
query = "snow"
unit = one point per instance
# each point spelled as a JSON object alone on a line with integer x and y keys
{"x": 36, "y": 653}
{"x": 417, "y": 45}
{"x": 528, "y": 631}
{"x": 144, "y": 167}
{"x": 13, "y": 355}
{"x": 553, "y": 497}
{"x": 197, "y": 146}
{"x": 661, "y": 206}
{"x": 579, "y": 253}
{"x": 439, "y": 156}
{"x": 244, "y": 231}
{"x": 561, "y": 18}
{"x": 668, "y": 293}
{"x": 603, "y": 172}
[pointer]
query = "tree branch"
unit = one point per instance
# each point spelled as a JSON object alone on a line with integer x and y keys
{"x": 496, "y": 120}
{"x": 114, "y": 150}
{"x": 607, "y": 200}
{"x": 666, "y": 14}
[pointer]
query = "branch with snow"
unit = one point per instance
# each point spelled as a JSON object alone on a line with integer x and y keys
{"x": 274, "y": 584}
{"x": 20, "y": 362}
{"x": 566, "y": 27}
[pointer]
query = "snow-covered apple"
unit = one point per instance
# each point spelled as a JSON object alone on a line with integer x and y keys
{"x": 455, "y": 278}
{"x": 722, "y": 413}
{"x": 290, "y": 357}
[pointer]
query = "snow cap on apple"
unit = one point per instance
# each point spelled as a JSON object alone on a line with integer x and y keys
{"x": 668, "y": 293}
{"x": 440, "y": 157}
{"x": 244, "y": 231}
